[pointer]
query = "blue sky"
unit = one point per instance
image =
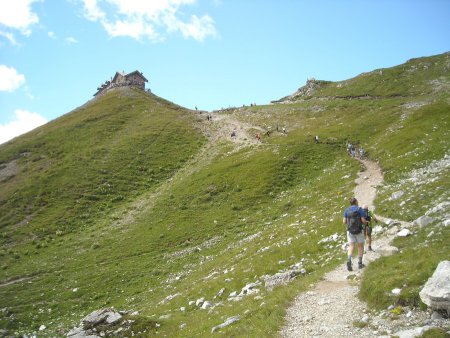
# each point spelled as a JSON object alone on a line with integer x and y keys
{"x": 207, "y": 53}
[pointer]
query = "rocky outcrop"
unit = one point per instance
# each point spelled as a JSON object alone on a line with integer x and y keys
{"x": 88, "y": 327}
{"x": 436, "y": 292}
{"x": 282, "y": 278}
{"x": 311, "y": 86}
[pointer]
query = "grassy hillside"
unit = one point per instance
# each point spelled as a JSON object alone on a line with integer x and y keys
{"x": 124, "y": 203}
{"x": 76, "y": 169}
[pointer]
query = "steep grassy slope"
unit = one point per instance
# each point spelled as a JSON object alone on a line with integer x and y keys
{"x": 126, "y": 210}
{"x": 86, "y": 163}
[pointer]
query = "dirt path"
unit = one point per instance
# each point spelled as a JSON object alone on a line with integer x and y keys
{"x": 217, "y": 130}
{"x": 329, "y": 309}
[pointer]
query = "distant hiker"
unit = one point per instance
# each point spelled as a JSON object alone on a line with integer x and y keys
{"x": 349, "y": 148}
{"x": 369, "y": 216}
{"x": 353, "y": 151}
{"x": 268, "y": 132}
{"x": 196, "y": 108}
{"x": 316, "y": 139}
{"x": 207, "y": 117}
{"x": 284, "y": 130}
{"x": 354, "y": 220}
{"x": 361, "y": 153}
{"x": 258, "y": 137}
{"x": 233, "y": 134}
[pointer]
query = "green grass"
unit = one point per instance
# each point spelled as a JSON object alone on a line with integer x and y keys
{"x": 122, "y": 203}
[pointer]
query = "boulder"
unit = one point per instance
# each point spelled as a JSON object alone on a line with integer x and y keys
{"x": 86, "y": 329}
{"x": 227, "y": 322}
{"x": 281, "y": 278}
{"x": 107, "y": 315}
{"x": 436, "y": 292}
{"x": 423, "y": 221}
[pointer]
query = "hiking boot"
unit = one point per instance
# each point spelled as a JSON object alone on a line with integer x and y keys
{"x": 370, "y": 248}
{"x": 349, "y": 266}
{"x": 361, "y": 265}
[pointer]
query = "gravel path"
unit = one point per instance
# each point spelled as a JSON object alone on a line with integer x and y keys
{"x": 332, "y": 306}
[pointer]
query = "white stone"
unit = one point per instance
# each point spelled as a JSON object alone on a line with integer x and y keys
{"x": 182, "y": 309}
{"x": 378, "y": 230}
{"x": 396, "y": 291}
{"x": 396, "y": 195}
{"x": 220, "y": 293}
{"x": 206, "y": 305}
{"x": 200, "y": 301}
{"x": 404, "y": 233}
{"x": 42, "y": 328}
{"x": 227, "y": 322}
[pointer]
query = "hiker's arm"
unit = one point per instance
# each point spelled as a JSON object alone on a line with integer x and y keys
{"x": 364, "y": 221}
{"x": 345, "y": 220}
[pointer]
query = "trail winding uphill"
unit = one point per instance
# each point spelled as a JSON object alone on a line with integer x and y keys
{"x": 331, "y": 307}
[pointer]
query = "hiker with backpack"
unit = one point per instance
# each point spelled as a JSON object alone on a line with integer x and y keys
{"x": 354, "y": 220}
{"x": 369, "y": 216}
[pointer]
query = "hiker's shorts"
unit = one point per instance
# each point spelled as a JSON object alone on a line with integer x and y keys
{"x": 359, "y": 238}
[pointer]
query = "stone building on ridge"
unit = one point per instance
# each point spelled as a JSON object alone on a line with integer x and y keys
{"x": 120, "y": 79}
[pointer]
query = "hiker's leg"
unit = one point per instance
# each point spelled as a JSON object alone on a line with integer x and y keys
{"x": 351, "y": 247}
{"x": 360, "y": 250}
{"x": 360, "y": 241}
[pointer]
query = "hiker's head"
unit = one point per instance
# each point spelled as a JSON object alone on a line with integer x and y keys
{"x": 353, "y": 201}
{"x": 365, "y": 207}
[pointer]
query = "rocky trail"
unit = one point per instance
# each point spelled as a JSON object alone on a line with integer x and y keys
{"x": 331, "y": 307}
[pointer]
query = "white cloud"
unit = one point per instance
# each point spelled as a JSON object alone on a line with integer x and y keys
{"x": 18, "y": 15}
{"x": 71, "y": 40}
{"x": 10, "y": 80}
{"x": 198, "y": 28}
{"x": 23, "y": 122}
{"x": 148, "y": 19}
{"x": 51, "y": 35}
{"x": 10, "y": 37}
